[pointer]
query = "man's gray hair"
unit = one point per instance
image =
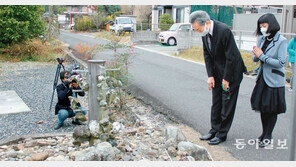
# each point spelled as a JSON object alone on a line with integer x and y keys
{"x": 199, "y": 16}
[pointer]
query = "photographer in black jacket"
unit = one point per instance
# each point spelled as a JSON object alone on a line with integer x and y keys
{"x": 64, "y": 90}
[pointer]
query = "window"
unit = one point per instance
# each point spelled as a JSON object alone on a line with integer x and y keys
{"x": 185, "y": 27}
{"x": 174, "y": 27}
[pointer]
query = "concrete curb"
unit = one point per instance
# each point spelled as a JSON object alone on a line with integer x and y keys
{"x": 72, "y": 59}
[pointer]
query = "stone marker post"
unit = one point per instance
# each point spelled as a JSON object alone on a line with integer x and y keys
{"x": 95, "y": 68}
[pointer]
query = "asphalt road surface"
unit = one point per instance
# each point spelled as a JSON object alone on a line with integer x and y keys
{"x": 180, "y": 88}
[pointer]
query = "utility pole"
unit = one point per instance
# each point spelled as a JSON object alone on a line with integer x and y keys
{"x": 49, "y": 22}
{"x": 292, "y": 132}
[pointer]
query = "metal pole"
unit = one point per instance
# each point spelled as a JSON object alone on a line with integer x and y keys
{"x": 240, "y": 41}
{"x": 292, "y": 134}
{"x": 141, "y": 27}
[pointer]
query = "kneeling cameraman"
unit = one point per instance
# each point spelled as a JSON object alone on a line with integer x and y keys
{"x": 64, "y": 90}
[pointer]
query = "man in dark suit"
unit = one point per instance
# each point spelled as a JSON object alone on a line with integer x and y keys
{"x": 225, "y": 68}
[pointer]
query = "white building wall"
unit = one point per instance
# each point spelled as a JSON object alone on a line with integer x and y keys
{"x": 174, "y": 14}
{"x": 154, "y": 26}
{"x": 186, "y": 14}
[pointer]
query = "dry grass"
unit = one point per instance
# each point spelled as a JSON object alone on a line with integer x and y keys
{"x": 33, "y": 50}
{"x": 123, "y": 39}
{"x": 196, "y": 54}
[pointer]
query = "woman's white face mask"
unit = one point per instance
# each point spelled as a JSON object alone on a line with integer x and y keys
{"x": 264, "y": 30}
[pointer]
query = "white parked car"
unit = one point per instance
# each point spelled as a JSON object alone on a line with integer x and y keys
{"x": 122, "y": 24}
{"x": 170, "y": 37}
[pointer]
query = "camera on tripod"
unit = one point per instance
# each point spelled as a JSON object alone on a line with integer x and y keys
{"x": 60, "y": 60}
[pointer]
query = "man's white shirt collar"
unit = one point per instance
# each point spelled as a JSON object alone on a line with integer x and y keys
{"x": 212, "y": 27}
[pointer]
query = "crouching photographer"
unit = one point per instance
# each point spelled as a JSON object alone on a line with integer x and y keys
{"x": 63, "y": 106}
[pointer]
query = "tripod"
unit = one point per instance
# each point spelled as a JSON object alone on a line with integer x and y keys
{"x": 60, "y": 61}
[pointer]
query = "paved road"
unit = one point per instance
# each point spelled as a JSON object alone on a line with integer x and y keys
{"x": 180, "y": 87}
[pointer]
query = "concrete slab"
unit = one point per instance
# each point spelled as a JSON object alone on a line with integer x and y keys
{"x": 11, "y": 103}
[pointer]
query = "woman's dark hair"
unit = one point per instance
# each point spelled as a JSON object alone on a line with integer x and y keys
{"x": 63, "y": 73}
{"x": 273, "y": 25}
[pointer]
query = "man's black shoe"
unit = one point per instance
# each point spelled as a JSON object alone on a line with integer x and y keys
{"x": 264, "y": 143}
{"x": 208, "y": 136}
{"x": 216, "y": 141}
{"x": 58, "y": 127}
{"x": 76, "y": 123}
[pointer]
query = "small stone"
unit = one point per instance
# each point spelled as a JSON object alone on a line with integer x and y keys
{"x": 19, "y": 147}
{"x": 104, "y": 122}
{"x": 127, "y": 158}
{"x": 128, "y": 149}
{"x": 189, "y": 158}
{"x": 104, "y": 137}
{"x": 135, "y": 153}
{"x": 166, "y": 158}
{"x": 131, "y": 132}
{"x": 141, "y": 129}
{"x": 138, "y": 156}
{"x": 172, "y": 151}
{"x": 81, "y": 131}
{"x": 58, "y": 158}
{"x": 181, "y": 153}
{"x": 178, "y": 158}
{"x": 197, "y": 152}
{"x": 118, "y": 138}
{"x": 70, "y": 149}
{"x": 171, "y": 143}
{"x": 11, "y": 154}
{"x": 4, "y": 147}
{"x": 175, "y": 133}
{"x": 152, "y": 154}
{"x": 121, "y": 144}
{"x": 117, "y": 127}
{"x": 94, "y": 128}
{"x": 32, "y": 143}
{"x": 40, "y": 156}
{"x": 28, "y": 150}
{"x": 134, "y": 146}
{"x": 149, "y": 132}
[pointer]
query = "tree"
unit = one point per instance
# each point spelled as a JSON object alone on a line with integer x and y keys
{"x": 19, "y": 23}
{"x": 108, "y": 9}
{"x": 165, "y": 22}
{"x": 98, "y": 20}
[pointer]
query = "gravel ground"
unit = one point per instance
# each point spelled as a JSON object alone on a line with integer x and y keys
{"x": 33, "y": 82}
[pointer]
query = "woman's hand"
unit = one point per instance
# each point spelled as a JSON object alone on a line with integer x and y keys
{"x": 257, "y": 52}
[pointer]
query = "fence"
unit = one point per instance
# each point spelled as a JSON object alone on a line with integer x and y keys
{"x": 144, "y": 37}
{"x": 245, "y": 40}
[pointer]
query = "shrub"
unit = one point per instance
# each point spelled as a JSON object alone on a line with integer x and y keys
{"x": 145, "y": 25}
{"x": 165, "y": 22}
{"x": 84, "y": 23}
{"x": 19, "y": 23}
{"x": 86, "y": 51}
{"x": 32, "y": 50}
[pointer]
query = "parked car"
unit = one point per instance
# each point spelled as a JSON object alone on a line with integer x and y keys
{"x": 122, "y": 24}
{"x": 170, "y": 37}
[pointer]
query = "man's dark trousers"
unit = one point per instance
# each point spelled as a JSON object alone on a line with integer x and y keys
{"x": 223, "y": 109}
